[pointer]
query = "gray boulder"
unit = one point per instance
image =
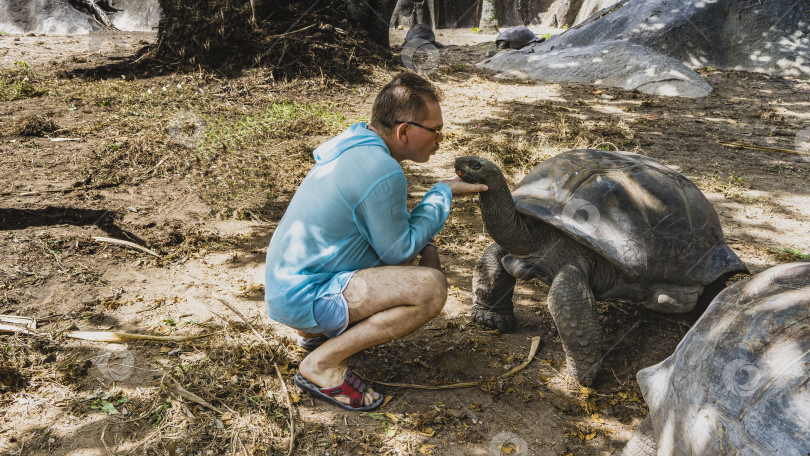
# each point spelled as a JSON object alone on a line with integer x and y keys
{"x": 52, "y": 17}
{"x": 59, "y": 17}
{"x": 768, "y": 36}
{"x": 610, "y": 64}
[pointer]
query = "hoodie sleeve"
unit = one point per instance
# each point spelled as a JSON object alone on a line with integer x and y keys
{"x": 394, "y": 234}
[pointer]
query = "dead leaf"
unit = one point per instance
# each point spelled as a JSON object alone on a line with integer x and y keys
{"x": 387, "y": 400}
{"x": 284, "y": 368}
{"x": 427, "y": 450}
{"x": 392, "y": 417}
{"x": 430, "y": 432}
{"x": 509, "y": 448}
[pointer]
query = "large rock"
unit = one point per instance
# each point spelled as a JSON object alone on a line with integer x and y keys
{"x": 565, "y": 13}
{"x": 137, "y": 15}
{"x": 611, "y": 64}
{"x": 769, "y": 36}
{"x": 44, "y": 16}
{"x": 58, "y": 17}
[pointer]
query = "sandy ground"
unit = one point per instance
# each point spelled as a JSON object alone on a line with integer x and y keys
{"x": 52, "y": 267}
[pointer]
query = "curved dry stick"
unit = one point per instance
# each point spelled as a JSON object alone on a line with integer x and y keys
{"x": 126, "y": 244}
{"x": 184, "y": 393}
{"x": 532, "y": 352}
{"x": 741, "y": 145}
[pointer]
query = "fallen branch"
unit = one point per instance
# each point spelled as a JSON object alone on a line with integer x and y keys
{"x": 532, "y": 352}
{"x": 14, "y": 329}
{"x": 117, "y": 337}
{"x": 126, "y": 244}
{"x": 29, "y": 322}
{"x": 739, "y": 145}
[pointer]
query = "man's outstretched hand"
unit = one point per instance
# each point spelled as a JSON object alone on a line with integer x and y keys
{"x": 461, "y": 188}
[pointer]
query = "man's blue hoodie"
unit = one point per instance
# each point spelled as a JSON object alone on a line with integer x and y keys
{"x": 348, "y": 214}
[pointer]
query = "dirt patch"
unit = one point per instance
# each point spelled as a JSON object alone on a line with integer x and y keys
{"x": 199, "y": 168}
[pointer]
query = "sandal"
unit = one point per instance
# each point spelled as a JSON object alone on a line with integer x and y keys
{"x": 353, "y": 386}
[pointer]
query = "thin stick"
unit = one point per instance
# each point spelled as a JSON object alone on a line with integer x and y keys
{"x": 532, "y": 353}
{"x": 289, "y": 409}
{"x": 754, "y": 147}
{"x": 126, "y": 244}
{"x": 242, "y": 317}
{"x": 184, "y": 393}
{"x": 278, "y": 373}
{"x": 148, "y": 174}
{"x": 290, "y": 33}
{"x": 110, "y": 453}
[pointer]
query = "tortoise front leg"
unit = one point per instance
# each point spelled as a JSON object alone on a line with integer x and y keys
{"x": 642, "y": 443}
{"x": 492, "y": 291}
{"x": 573, "y": 307}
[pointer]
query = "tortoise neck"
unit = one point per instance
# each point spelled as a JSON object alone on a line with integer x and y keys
{"x": 514, "y": 232}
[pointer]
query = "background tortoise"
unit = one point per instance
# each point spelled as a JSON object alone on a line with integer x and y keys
{"x": 739, "y": 381}
{"x": 423, "y": 33}
{"x": 595, "y": 224}
{"x": 516, "y": 38}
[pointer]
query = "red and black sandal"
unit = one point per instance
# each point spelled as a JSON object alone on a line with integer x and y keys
{"x": 352, "y": 387}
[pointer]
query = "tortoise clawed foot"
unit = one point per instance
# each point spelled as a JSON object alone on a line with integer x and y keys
{"x": 583, "y": 373}
{"x": 493, "y": 320}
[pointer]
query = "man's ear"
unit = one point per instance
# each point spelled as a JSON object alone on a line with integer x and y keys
{"x": 401, "y": 133}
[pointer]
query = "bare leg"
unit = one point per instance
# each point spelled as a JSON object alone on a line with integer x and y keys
{"x": 385, "y": 303}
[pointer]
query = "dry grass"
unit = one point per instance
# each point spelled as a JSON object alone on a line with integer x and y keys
{"x": 232, "y": 371}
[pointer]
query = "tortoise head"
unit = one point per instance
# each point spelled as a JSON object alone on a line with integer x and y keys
{"x": 476, "y": 170}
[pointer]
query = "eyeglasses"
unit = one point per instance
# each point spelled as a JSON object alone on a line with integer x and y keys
{"x": 435, "y": 132}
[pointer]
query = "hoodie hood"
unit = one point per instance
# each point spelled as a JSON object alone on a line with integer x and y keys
{"x": 354, "y": 136}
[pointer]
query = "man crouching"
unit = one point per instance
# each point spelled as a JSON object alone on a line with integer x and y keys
{"x": 336, "y": 264}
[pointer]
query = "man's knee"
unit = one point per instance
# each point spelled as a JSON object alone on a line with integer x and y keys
{"x": 436, "y": 289}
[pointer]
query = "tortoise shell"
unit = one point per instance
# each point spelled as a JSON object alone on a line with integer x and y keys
{"x": 515, "y": 37}
{"x": 649, "y": 221}
{"x": 420, "y": 31}
{"x": 739, "y": 382}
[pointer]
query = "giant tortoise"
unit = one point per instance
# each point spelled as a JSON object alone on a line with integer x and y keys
{"x": 739, "y": 381}
{"x": 419, "y": 35}
{"x": 516, "y": 37}
{"x": 595, "y": 224}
